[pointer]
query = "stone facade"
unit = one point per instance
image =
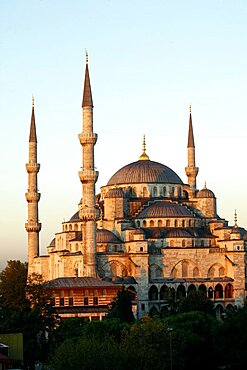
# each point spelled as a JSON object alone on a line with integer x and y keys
{"x": 147, "y": 230}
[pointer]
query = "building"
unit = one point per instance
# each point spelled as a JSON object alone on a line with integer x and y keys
{"x": 147, "y": 229}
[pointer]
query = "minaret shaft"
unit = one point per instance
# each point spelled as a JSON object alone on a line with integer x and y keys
{"x": 88, "y": 177}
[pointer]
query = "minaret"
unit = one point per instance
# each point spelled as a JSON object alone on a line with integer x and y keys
{"x": 191, "y": 170}
{"x": 88, "y": 177}
{"x": 33, "y": 226}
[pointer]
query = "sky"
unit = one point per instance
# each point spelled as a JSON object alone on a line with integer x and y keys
{"x": 148, "y": 61}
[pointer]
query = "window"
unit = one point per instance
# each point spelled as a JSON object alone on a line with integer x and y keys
{"x": 61, "y": 301}
{"x": 71, "y": 303}
{"x": 143, "y": 306}
{"x": 85, "y": 301}
{"x": 95, "y": 301}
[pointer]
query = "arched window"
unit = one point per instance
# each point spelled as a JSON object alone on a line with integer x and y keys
{"x": 155, "y": 191}
{"x": 219, "y": 311}
{"x": 211, "y": 272}
{"x": 181, "y": 293}
{"x": 144, "y": 223}
{"x": 141, "y": 249}
{"x": 189, "y": 223}
{"x": 185, "y": 268}
{"x": 229, "y": 291}
{"x": 210, "y": 293}
{"x": 191, "y": 288}
{"x": 151, "y": 224}
{"x": 159, "y": 223}
{"x": 218, "y": 291}
{"x": 167, "y": 223}
{"x": 176, "y": 223}
{"x": 138, "y": 223}
{"x": 144, "y": 192}
{"x": 66, "y": 227}
{"x": 76, "y": 247}
{"x": 221, "y": 271}
{"x": 153, "y": 293}
{"x": 164, "y": 293}
{"x": 195, "y": 272}
{"x": 70, "y": 227}
{"x": 183, "y": 223}
{"x": 172, "y": 243}
{"x": 76, "y": 227}
{"x": 202, "y": 288}
{"x": 164, "y": 191}
{"x": 183, "y": 243}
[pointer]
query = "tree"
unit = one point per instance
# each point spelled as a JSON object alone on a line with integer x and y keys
{"x": 196, "y": 301}
{"x": 26, "y": 307}
{"x": 121, "y": 307}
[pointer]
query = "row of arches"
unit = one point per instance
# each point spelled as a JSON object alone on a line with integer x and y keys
{"x": 169, "y": 223}
{"x": 167, "y": 293}
{"x": 220, "y": 310}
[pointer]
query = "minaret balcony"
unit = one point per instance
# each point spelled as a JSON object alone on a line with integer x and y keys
{"x": 32, "y": 197}
{"x": 32, "y": 167}
{"x": 33, "y": 226}
{"x": 88, "y": 138}
{"x": 88, "y": 214}
{"x": 191, "y": 171}
{"x": 88, "y": 176}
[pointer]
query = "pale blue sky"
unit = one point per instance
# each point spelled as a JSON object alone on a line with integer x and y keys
{"x": 148, "y": 60}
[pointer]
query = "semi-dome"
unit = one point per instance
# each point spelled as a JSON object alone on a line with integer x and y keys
{"x": 164, "y": 209}
{"x": 178, "y": 233}
{"x": 106, "y": 236}
{"x": 145, "y": 171}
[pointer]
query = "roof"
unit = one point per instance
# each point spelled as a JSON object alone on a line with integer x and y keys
{"x": 106, "y": 236}
{"x": 87, "y": 100}
{"x": 115, "y": 193}
{"x": 191, "y": 143}
{"x": 205, "y": 193}
{"x": 32, "y": 135}
{"x": 145, "y": 171}
{"x": 78, "y": 282}
{"x": 165, "y": 209}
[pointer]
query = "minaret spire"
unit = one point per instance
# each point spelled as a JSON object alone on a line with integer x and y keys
{"x": 88, "y": 177}
{"x": 191, "y": 170}
{"x": 87, "y": 100}
{"x": 33, "y": 226}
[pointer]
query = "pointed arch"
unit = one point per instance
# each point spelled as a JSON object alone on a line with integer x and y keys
{"x": 153, "y": 293}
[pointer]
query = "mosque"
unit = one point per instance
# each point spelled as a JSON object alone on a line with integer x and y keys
{"x": 146, "y": 230}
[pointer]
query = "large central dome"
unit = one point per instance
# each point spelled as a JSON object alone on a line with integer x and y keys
{"x": 145, "y": 171}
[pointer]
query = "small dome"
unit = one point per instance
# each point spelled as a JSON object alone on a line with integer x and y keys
{"x": 178, "y": 233}
{"x": 115, "y": 193}
{"x": 106, "y": 236}
{"x": 164, "y": 209}
{"x": 205, "y": 193}
{"x": 52, "y": 243}
{"x": 75, "y": 217}
{"x": 145, "y": 171}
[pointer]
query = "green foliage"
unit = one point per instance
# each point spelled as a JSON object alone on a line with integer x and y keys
{"x": 196, "y": 301}
{"x": 121, "y": 307}
{"x": 232, "y": 342}
{"x": 26, "y": 307}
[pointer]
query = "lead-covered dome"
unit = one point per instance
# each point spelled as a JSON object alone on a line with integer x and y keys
{"x": 165, "y": 209}
{"x": 145, "y": 171}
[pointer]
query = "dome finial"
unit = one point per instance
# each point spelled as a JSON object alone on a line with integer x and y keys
{"x": 190, "y": 108}
{"x": 32, "y": 101}
{"x": 205, "y": 185}
{"x": 144, "y": 156}
{"x": 235, "y": 219}
{"x": 86, "y": 56}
